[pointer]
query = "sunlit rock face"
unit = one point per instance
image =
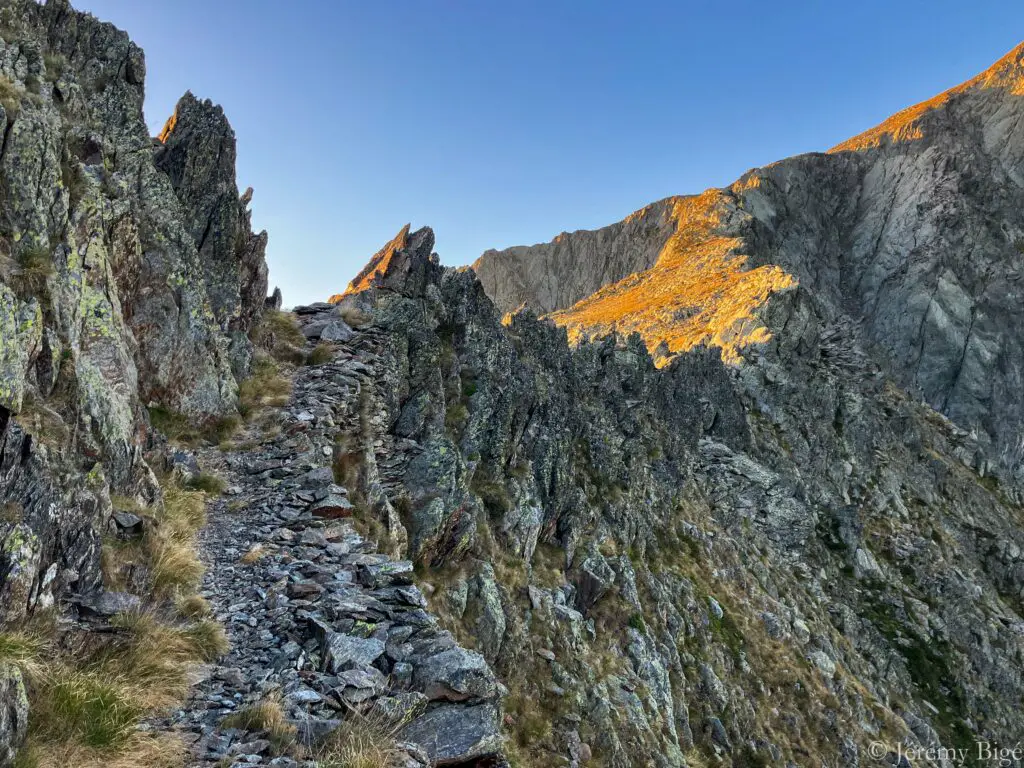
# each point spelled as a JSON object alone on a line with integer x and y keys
{"x": 109, "y": 299}
{"x": 911, "y": 233}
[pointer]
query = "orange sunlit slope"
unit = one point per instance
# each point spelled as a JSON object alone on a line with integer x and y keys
{"x": 699, "y": 291}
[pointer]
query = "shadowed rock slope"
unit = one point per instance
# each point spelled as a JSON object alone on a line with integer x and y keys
{"x": 776, "y": 561}
{"x": 129, "y": 279}
{"x": 910, "y": 233}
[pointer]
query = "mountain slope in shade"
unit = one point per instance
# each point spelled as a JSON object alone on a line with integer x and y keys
{"x": 909, "y": 235}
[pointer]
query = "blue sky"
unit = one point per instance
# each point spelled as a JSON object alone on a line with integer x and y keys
{"x": 506, "y": 123}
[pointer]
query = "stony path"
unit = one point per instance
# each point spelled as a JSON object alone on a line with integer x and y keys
{"x": 316, "y": 618}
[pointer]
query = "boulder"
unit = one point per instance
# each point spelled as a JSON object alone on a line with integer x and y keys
{"x": 455, "y": 675}
{"x": 342, "y": 652}
{"x": 454, "y": 735}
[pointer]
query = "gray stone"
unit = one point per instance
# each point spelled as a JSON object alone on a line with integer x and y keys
{"x": 107, "y": 604}
{"x": 455, "y": 675}
{"x": 13, "y": 712}
{"x": 128, "y": 524}
{"x": 337, "y": 332}
{"x": 343, "y": 652}
{"x": 452, "y": 734}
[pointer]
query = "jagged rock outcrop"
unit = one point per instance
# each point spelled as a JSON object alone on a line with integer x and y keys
{"x": 198, "y": 156}
{"x": 104, "y": 309}
{"x": 776, "y": 561}
{"x": 392, "y": 267}
{"x": 911, "y": 230}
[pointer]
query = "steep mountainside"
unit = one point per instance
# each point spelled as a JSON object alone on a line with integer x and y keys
{"x": 129, "y": 279}
{"x": 910, "y": 235}
{"x": 783, "y": 560}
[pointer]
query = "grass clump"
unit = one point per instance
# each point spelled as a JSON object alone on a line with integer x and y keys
{"x": 283, "y": 325}
{"x": 193, "y": 607}
{"x": 266, "y": 387}
{"x": 207, "y": 482}
{"x": 208, "y": 639}
{"x": 636, "y": 621}
{"x": 361, "y": 741}
{"x": 267, "y": 716}
{"x": 183, "y": 429}
{"x": 176, "y": 427}
{"x": 322, "y": 353}
{"x": 55, "y": 64}
{"x": 165, "y": 558}
{"x": 36, "y": 261}
{"x": 531, "y": 723}
{"x": 89, "y": 692}
{"x": 224, "y": 428}
{"x": 85, "y": 706}
{"x": 353, "y": 316}
{"x": 455, "y": 418}
{"x": 279, "y": 336}
{"x": 10, "y": 97}
{"x": 32, "y": 269}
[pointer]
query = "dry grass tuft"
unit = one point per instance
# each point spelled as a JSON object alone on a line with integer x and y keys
{"x": 254, "y": 554}
{"x": 322, "y": 353}
{"x": 10, "y": 97}
{"x": 140, "y": 749}
{"x": 207, "y": 482}
{"x": 193, "y": 607}
{"x": 89, "y": 691}
{"x": 55, "y": 66}
{"x": 170, "y": 545}
{"x": 267, "y": 716}
{"x": 267, "y": 387}
{"x": 361, "y": 741}
{"x": 182, "y": 429}
{"x": 208, "y": 639}
{"x": 353, "y": 316}
{"x": 280, "y": 336}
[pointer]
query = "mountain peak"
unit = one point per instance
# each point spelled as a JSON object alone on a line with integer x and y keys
{"x": 396, "y": 266}
{"x": 1006, "y": 75}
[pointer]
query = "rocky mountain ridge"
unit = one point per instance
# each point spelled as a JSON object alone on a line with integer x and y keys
{"x": 909, "y": 234}
{"x": 782, "y": 561}
{"x": 731, "y": 533}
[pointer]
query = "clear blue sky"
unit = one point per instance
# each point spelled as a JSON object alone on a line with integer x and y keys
{"x": 503, "y": 123}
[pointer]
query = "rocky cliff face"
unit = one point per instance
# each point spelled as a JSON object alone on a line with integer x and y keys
{"x": 778, "y": 560}
{"x": 786, "y": 543}
{"x": 912, "y": 231}
{"x": 575, "y": 265}
{"x": 129, "y": 278}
